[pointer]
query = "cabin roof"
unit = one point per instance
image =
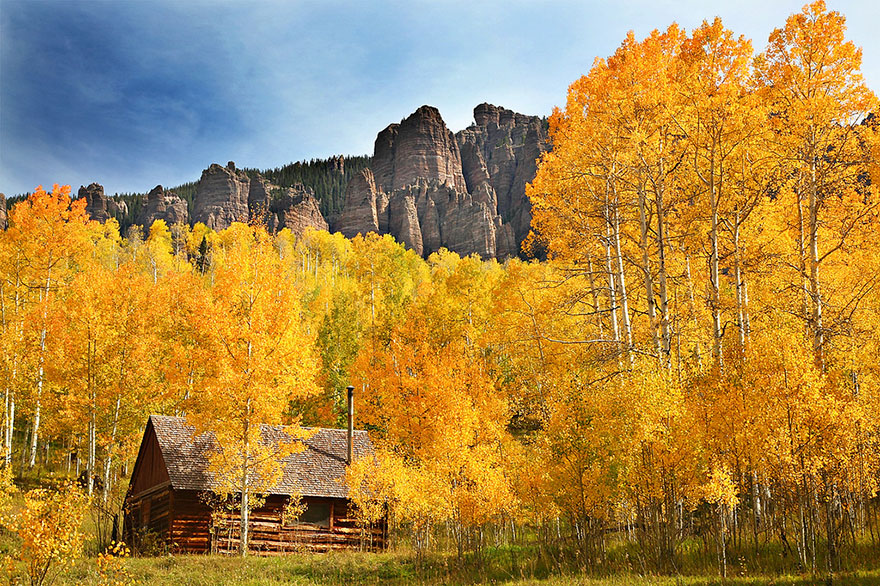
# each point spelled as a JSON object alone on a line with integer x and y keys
{"x": 318, "y": 470}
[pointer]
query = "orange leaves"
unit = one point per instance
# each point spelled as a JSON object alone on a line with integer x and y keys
{"x": 252, "y": 353}
{"x": 720, "y": 488}
{"x": 49, "y": 208}
{"x": 48, "y": 228}
{"x": 429, "y": 393}
{"x": 254, "y": 327}
{"x": 810, "y": 60}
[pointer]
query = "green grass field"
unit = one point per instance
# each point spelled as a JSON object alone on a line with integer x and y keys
{"x": 403, "y": 568}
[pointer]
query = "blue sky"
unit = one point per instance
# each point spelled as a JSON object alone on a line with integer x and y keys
{"x": 133, "y": 93}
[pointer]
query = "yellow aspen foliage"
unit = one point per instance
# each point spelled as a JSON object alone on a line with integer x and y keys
{"x": 429, "y": 393}
{"x": 48, "y": 522}
{"x": 720, "y": 488}
{"x": 7, "y": 490}
{"x": 49, "y": 233}
{"x": 111, "y": 566}
{"x": 811, "y": 79}
{"x": 694, "y": 363}
{"x": 260, "y": 358}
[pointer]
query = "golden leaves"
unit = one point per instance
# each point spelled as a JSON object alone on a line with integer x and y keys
{"x": 48, "y": 522}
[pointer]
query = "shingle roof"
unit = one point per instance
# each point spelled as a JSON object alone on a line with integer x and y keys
{"x": 318, "y": 470}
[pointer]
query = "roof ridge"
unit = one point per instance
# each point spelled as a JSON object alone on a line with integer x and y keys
{"x": 183, "y": 418}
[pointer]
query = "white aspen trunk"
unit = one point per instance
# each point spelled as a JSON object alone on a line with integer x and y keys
{"x": 612, "y": 293}
{"x": 595, "y": 294}
{"x": 677, "y": 329}
{"x": 621, "y": 284}
{"x": 666, "y": 336}
{"x": 245, "y": 464}
{"x": 109, "y": 460}
{"x": 714, "y": 273}
{"x": 737, "y": 271}
{"x": 10, "y": 413}
{"x": 693, "y": 310}
{"x": 6, "y": 422}
{"x": 646, "y": 269}
{"x": 10, "y": 431}
{"x": 815, "y": 291}
{"x": 36, "y": 426}
{"x": 802, "y": 254}
{"x": 723, "y": 515}
{"x": 90, "y": 462}
{"x": 93, "y": 422}
{"x": 609, "y": 270}
{"x": 245, "y": 494}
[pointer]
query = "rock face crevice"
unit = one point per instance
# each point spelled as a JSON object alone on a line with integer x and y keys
{"x": 432, "y": 189}
{"x": 99, "y": 207}
{"x": 225, "y": 195}
{"x": 500, "y": 157}
{"x": 361, "y": 212}
{"x": 295, "y": 208}
{"x": 221, "y": 197}
{"x": 163, "y": 205}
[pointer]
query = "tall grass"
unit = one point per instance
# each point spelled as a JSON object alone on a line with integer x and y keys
{"x": 503, "y": 565}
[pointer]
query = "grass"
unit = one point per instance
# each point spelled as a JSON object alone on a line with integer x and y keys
{"x": 399, "y": 568}
{"x": 520, "y": 565}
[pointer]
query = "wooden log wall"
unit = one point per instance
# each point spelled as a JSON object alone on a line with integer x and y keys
{"x": 191, "y": 526}
{"x": 160, "y": 510}
{"x": 149, "y": 513}
{"x": 186, "y": 524}
{"x": 268, "y": 536}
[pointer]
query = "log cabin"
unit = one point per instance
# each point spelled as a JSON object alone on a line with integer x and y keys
{"x": 170, "y": 501}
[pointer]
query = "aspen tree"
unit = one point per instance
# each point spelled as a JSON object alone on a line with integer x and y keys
{"x": 811, "y": 77}
{"x": 48, "y": 231}
{"x": 261, "y": 358}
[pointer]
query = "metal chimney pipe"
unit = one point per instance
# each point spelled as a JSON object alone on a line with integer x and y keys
{"x": 350, "y": 390}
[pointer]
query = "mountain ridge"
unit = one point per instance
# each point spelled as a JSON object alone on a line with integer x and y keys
{"x": 425, "y": 185}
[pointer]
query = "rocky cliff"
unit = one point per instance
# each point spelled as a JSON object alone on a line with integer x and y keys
{"x": 499, "y": 157}
{"x": 225, "y": 195}
{"x": 430, "y": 189}
{"x": 295, "y": 208}
{"x": 420, "y": 147}
{"x": 427, "y": 187}
{"x": 221, "y": 197}
{"x": 361, "y": 211}
{"x": 99, "y": 207}
{"x": 163, "y": 205}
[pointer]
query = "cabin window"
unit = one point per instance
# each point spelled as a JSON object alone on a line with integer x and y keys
{"x": 316, "y": 514}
